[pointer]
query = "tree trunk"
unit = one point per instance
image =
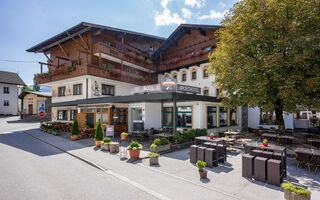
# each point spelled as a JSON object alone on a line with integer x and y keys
{"x": 279, "y": 117}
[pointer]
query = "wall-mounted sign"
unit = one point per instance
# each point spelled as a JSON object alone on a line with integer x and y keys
{"x": 169, "y": 84}
{"x": 41, "y": 108}
{"x": 189, "y": 89}
{"x": 146, "y": 89}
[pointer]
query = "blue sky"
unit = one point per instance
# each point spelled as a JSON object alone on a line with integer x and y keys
{"x": 24, "y": 23}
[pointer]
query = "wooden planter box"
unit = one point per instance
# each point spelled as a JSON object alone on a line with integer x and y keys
{"x": 161, "y": 148}
{"x": 154, "y": 160}
{"x": 184, "y": 145}
{"x": 292, "y": 196}
{"x": 114, "y": 147}
{"x": 105, "y": 147}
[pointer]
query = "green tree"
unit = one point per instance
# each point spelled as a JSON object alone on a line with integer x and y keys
{"x": 268, "y": 55}
{"x": 99, "y": 132}
{"x": 75, "y": 127}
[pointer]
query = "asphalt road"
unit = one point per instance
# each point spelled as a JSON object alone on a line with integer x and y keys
{"x": 31, "y": 169}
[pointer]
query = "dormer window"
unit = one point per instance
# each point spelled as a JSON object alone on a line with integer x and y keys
{"x": 205, "y": 74}
{"x": 194, "y": 75}
{"x": 184, "y": 77}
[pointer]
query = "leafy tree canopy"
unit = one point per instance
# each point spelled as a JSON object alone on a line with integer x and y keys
{"x": 268, "y": 55}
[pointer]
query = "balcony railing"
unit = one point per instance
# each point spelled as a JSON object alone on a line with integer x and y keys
{"x": 117, "y": 75}
{"x": 130, "y": 57}
{"x": 195, "y": 57}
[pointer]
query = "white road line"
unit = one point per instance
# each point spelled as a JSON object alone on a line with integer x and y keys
{"x": 137, "y": 185}
{"x": 198, "y": 184}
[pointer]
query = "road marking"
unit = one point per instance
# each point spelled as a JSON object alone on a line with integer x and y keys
{"x": 109, "y": 172}
{"x": 186, "y": 180}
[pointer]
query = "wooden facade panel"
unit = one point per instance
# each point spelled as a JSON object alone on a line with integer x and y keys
{"x": 82, "y": 120}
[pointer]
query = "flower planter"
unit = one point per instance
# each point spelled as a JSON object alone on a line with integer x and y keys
{"x": 105, "y": 146}
{"x": 184, "y": 145}
{"x": 114, "y": 147}
{"x": 292, "y": 196}
{"x": 265, "y": 144}
{"x": 154, "y": 160}
{"x": 211, "y": 137}
{"x": 161, "y": 148}
{"x": 123, "y": 137}
{"x": 203, "y": 173}
{"x": 134, "y": 154}
{"x": 98, "y": 143}
{"x": 74, "y": 137}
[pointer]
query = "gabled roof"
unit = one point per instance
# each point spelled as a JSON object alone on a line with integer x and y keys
{"x": 41, "y": 94}
{"x": 10, "y": 78}
{"x": 179, "y": 33}
{"x": 87, "y": 27}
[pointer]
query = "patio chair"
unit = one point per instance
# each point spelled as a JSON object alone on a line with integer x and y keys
{"x": 222, "y": 153}
{"x": 274, "y": 173}
{"x": 316, "y": 162}
{"x": 303, "y": 160}
{"x": 256, "y": 153}
{"x": 247, "y": 165}
{"x": 260, "y": 168}
{"x": 211, "y": 157}
{"x": 267, "y": 154}
{"x": 201, "y": 153}
{"x": 193, "y": 153}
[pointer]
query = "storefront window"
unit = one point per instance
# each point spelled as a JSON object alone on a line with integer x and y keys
{"x": 119, "y": 116}
{"x": 268, "y": 118}
{"x": 73, "y": 114}
{"x": 98, "y": 116}
{"x": 223, "y": 116}
{"x": 233, "y": 117}
{"x": 184, "y": 117}
{"x": 212, "y": 117}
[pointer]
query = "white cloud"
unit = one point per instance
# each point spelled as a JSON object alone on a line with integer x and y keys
{"x": 222, "y": 4}
{"x": 213, "y": 15}
{"x": 193, "y": 3}
{"x": 165, "y": 18}
{"x": 186, "y": 13}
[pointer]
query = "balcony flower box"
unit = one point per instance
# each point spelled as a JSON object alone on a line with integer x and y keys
{"x": 132, "y": 54}
{"x": 189, "y": 55}
{"x": 198, "y": 53}
{"x": 148, "y": 61}
{"x": 141, "y": 58}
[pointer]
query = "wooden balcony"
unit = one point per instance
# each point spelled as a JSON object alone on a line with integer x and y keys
{"x": 66, "y": 73}
{"x": 183, "y": 61}
{"x": 133, "y": 58}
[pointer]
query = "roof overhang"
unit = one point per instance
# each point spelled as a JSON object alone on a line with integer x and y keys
{"x": 154, "y": 97}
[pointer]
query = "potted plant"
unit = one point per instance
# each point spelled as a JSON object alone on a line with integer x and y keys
{"x": 98, "y": 137}
{"x": 292, "y": 192}
{"x": 160, "y": 145}
{"x": 55, "y": 130}
{"x": 265, "y": 142}
{"x": 134, "y": 149}
{"x": 211, "y": 136}
{"x": 75, "y": 130}
{"x": 124, "y": 135}
{"x": 105, "y": 144}
{"x": 201, "y": 164}
{"x": 154, "y": 158}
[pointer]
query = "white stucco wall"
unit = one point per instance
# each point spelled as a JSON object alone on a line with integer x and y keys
{"x": 254, "y": 119}
{"x": 199, "y": 82}
{"x": 12, "y": 97}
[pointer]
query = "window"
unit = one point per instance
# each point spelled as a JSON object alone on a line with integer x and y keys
{"x": 212, "y": 117}
{"x": 77, "y": 89}
{"x": 108, "y": 43}
{"x": 104, "y": 65}
{"x": 175, "y": 77}
{"x": 151, "y": 48}
{"x": 6, "y": 103}
{"x": 194, "y": 75}
{"x": 184, "y": 117}
{"x": 73, "y": 114}
{"x": 76, "y": 63}
{"x": 268, "y": 118}
{"x": 6, "y": 90}
{"x": 62, "y": 115}
{"x": 223, "y": 116}
{"x": 184, "y": 77}
{"x": 205, "y": 74}
{"x": 206, "y": 92}
{"x": 233, "y": 117}
{"x": 61, "y": 91}
{"x": 107, "y": 89}
{"x": 119, "y": 116}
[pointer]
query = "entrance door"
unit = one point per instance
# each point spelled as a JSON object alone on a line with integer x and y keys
{"x": 90, "y": 120}
{"x": 30, "y": 109}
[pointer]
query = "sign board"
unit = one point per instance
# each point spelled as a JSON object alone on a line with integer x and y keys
{"x": 109, "y": 131}
{"x": 41, "y": 108}
{"x": 169, "y": 84}
{"x": 146, "y": 89}
{"x": 190, "y": 89}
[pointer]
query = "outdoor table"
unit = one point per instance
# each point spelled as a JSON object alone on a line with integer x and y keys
{"x": 271, "y": 147}
{"x": 314, "y": 142}
{"x": 308, "y": 151}
{"x": 286, "y": 138}
{"x": 234, "y": 134}
{"x": 201, "y": 139}
{"x": 169, "y": 136}
{"x": 270, "y": 136}
{"x": 91, "y": 132}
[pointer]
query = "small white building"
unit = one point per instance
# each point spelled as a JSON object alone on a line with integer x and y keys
{"x": 10, "y": 88}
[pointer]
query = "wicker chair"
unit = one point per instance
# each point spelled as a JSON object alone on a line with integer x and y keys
{"x": 303, "y": 160}
{"x": 316, "y": 162}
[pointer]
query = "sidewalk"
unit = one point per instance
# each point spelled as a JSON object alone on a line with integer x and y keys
{"x": 176, "y": 177}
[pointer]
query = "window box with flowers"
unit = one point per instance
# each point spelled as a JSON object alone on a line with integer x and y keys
{"x": 148, "y": 61}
